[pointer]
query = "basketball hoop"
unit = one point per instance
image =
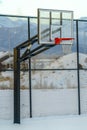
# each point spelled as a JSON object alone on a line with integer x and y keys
{"x": 66, "y": 44}
{"x": 59, "y": 40}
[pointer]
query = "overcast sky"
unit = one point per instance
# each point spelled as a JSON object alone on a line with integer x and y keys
{"x": 29, "y": 7}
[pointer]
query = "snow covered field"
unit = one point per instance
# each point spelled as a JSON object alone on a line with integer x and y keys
{"x": 48, "y": 123}
{"x": 44, "y": 103}
{"x": 54, "y": 93}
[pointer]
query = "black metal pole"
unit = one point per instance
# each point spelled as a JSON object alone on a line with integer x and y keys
{"x": 16, "y": 86}
{"x": 30, "y": 89}
{"x": 78, "y": 74}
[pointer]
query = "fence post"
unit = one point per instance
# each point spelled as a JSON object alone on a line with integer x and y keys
{"x": 78, "y": 74}
{"x": 16, "y": 85}
{"x": 30, "y": 87}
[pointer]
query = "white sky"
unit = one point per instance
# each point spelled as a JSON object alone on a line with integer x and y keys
{"x": 29, "y": 7}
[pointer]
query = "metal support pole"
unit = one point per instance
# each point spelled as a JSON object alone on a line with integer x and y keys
{"x": 16, "y": 86}
{"x": 30, "y": 89}
{"x": 78, "y": 74}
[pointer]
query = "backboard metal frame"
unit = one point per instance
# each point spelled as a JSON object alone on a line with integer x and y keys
{"x": 54, "y": 23}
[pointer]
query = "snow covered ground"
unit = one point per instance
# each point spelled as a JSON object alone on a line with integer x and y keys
{"x": 47, "y": 123}
{"x": 70, "y": 122}
{"x": 53, "y": 93}
{"x": 44, "y": 103}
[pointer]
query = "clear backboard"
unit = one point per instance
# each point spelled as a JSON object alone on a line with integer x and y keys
{"x": 54, "y": 24}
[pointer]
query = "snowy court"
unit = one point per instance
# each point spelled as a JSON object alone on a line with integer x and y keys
{"x": 48, "y": 123}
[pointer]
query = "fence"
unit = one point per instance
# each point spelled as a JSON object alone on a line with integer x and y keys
{"x": 58, "y": 81}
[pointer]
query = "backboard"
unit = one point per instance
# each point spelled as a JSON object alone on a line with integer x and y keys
{"x": 54, "y": 24}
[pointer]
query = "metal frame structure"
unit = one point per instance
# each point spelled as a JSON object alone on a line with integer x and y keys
{"x": 27, "y": 54}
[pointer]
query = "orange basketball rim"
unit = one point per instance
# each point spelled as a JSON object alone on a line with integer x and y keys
{"x": 59, "y": 40}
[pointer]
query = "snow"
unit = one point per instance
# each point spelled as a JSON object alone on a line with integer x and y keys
{"x": 44, "y": 103}
{"x": 53, "y": 79}
{"x": 70, "y": 122}
{"x": 2, "y": 53}
{"x": 7, "y": 73}
{"x": 9, "y": 60}
{"x": 54, "y": 93}
{"x": 49, "y": 123}
{"x": 54, "y": 102}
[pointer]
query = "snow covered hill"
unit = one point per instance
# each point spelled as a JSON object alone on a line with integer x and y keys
{"x": 61, "y": 79}
{"x": 50, "y": 79}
